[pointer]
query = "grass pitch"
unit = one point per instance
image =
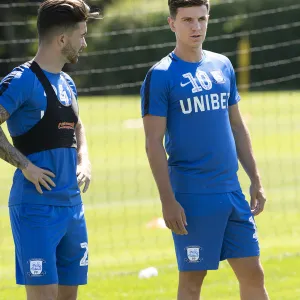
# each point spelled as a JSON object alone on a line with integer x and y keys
{"x": 122, "y": 199}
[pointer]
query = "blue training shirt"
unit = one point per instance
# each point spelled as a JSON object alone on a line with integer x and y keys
{"x": 194, "y": 97}
{"x": 24, "y": 98}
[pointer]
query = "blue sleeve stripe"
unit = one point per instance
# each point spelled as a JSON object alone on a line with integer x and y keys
{"x": 147, "y": 92}
{"x": 5, "y": 84}
{"x": 9, "y": 78}
{"x": 147, "y": 89}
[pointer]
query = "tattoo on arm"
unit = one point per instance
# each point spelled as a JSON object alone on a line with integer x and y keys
{"x": 7, "y": 151}
{"x": 4, "y": 115}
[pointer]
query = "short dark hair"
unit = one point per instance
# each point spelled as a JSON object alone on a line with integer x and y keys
{"x": 175, "y": 4}
{"x": 53, "y": 14}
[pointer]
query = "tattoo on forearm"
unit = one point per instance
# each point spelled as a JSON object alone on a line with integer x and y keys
{"x": 4, "y": 115}
{"x": 7, "y": 151}
{"x": 11, "y": 154}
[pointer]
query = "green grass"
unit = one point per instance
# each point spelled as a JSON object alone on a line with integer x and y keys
{"x": 123, "y": 198}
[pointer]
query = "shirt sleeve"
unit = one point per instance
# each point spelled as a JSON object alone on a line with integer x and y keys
{"x": 154, "y": 94}
{"x": 234, "y": 94}
{"x": 14, "y": 91}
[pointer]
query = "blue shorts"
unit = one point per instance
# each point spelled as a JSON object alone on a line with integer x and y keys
{"x": 220, "y": 226}
{"x": 51, "y": 244}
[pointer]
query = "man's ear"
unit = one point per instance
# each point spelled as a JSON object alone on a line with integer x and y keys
{"x": 171, "y": 23}
{"x": 61, "y": 40}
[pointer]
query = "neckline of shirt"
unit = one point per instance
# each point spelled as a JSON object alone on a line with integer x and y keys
{"x": 189, "y": 62}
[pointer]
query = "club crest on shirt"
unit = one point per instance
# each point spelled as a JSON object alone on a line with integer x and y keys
{"x": 36, "y": 267}
{"x": 193, "y": 254}
{"x": 218, "y": 76}
{"x": 62, "y": 95}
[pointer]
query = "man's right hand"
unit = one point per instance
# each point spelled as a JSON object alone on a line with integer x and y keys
{"x": 39, "y": 177}
{"x": 174, "y": 217}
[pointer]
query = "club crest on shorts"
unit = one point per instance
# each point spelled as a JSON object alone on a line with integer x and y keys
{"x": 36, "y": 267}
{"x": 218, "y": 76}
{"x": 193, "y": 254}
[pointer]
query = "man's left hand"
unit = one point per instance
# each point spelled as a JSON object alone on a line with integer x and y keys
{"x": 84, "y": 175}
{"x": 258, "y": 198}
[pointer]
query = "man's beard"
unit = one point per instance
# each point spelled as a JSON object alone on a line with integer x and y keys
{"x": 70, "y": 54}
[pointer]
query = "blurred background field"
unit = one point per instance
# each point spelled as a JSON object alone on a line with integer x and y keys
{"x": 122, "y": 200}
{"x": 262, "y": 40}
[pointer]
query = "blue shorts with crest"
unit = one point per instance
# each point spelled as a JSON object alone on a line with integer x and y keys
{"x": 220, "y": 226}
{"x": 51, "y": 244}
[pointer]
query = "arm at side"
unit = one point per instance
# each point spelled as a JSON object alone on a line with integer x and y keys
{"x": 243, "y": 143}
{"x": 155, "y": 128}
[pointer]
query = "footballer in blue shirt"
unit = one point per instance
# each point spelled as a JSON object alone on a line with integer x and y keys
{"x": 39, "y": 102}
{"x": 190, "y": 103}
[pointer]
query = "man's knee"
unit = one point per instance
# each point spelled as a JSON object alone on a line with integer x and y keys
{"x": 67, "y": 292}
{"x": 42, "y": 292}
{"x": 253, "y": 276}
{"x": 191, "y": 280}
{"x": 248, "y": 271}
